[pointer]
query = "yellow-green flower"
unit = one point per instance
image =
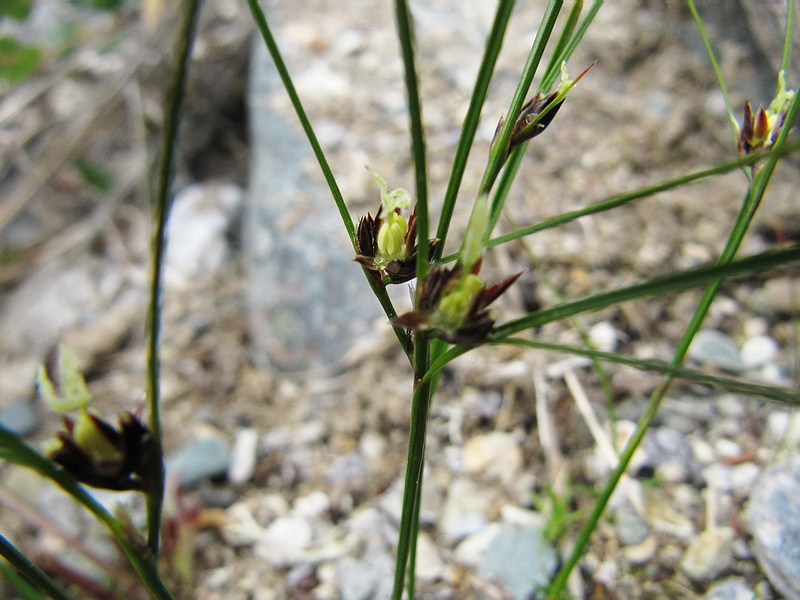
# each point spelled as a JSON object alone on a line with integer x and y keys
{"x": 386, "y": 243}
{"x": 453, "y": 301}
{"x": 94, "y": 451}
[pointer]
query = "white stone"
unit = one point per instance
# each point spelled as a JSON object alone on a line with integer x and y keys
{"x": 759, "y": 351}
{"x": 496, "y": 455}
{"x": 604, "y": 336}
{"x": 709, "y": 555}
{"x": 243, "y": 456}
{"x": 284, "y": 541}
{"x": 312, "y": 505}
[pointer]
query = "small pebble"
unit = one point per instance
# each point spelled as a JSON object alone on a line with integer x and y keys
{"x": 709, "y": 555}
{"x": 243, "y": 456}
{"x": 759, "y": 351}
{"x": 203, "y": 459}
{"x": 496, "y": 455}
{"x": 21, "y": 418}
{"x": 773, "y": 518}
{"x": 730, "y": 589}
{"x": 715, "y": 349}
{"x": 356, "y": 579}
{"x": 521, "y": 558}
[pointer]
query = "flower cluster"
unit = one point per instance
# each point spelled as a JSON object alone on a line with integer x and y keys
{"x": 93, "y": 450}
{"x": 386, "y": 243}
{"x": 539, "y": 112}
{"x": 760, "y": 128}
{"x": 453, "y": 301}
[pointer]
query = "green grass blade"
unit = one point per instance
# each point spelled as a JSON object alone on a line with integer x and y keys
{"x": 494, "y": 42}
{"x": 15, "y": 450}
{"x": 31, "y": 574}
{"x": 788, "y": 38}
{"x": 162, "y": 205}
{"x": 405, "y": 35}
{"x": 665, "y": 284}
{"x": 412, "y": 489}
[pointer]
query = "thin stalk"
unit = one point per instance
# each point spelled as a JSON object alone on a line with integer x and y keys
{"x": 492, "y": 50}
{"x": 639, "y": 194}
{"x": 783, "y": 396}
{"x": 557, "y": 55}
{"x": 506, "y": 181}
{"x": 715, "y": 65}
{"x": 788, "y": 38}
{"x": 412, "y": 489}
{"x": 163, "y": 203}
{"x": 405, "y": 35}
{"x": 502, "y": 141}
{"x": 550, "y": 76}
{"x": 31, "y": 573}
{"x": 291, "y": 91}
{"x": 752, "y": 201}
{"x": 135, "y": 548}
{"x": 664, "y": 284}
{"x": 377, "y": 288}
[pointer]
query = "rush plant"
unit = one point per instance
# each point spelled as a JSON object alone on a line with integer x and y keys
{"x": 452, "y": 310}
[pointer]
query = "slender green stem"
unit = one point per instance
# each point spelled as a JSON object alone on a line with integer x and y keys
{"x": 717, "y": 71}
{"x": 135, "y": 548}
{"x": 752, "y": 201}
{"x": 665, "y": 284}
{"x": 788, "y": 38}
{"x": 780, "y": 395}
{"x": 405, "y": 35}
{"x": 412, "y": 490}
{"x": 378, "y": 289}
{"x": 32, "y": 573}
{"x": 502, "y": 141}
{"x": 283, "y": 72}
{"x": 550, "y": 75}
{"x": 557, "y": 55}
{"x": 642, "y": 193}
{"x": 494, "y": 43}
{"x": 163, "y": 202}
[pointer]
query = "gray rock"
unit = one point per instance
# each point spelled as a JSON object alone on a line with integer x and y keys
{"x": 730, "y": 589}
{"x": 773, "y": 518}
{"x": 520, "y": 559}
{"x": 714, "y": 348}
{"x": 202, "y": 459}
{"x": 21, "y": 418}
{"x": 631, "y": 529}
{"x": 356, "y": 579}
{"x": 309, "y": 301}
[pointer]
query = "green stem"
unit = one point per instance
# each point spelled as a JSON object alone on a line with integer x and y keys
{"x": 31, "y": 573}
{"x": 494, "y": 43}
{"x": 642, "y": 193}
{"x": 14, "y": 449}
{"x": 502, "y": 141}
{"x": 752, "y": 201}
{"x": 163, "y": 202}
{"x": 405, "y": 35}
{"x": 412, "y": 489}
{"x": 377, "y": 288}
